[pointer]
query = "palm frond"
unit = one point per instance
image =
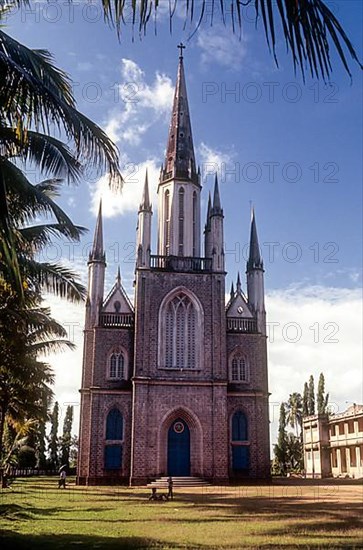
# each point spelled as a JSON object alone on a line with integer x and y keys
{"x": 8, "y": 257}
{"x": 38, "y": 236}
{"x": 308, "y": 26}
{"x": 52, "y": 346}
{"x": 34, "y": 92}
{"x": 28, "y": 200}
{"x": 51, "y": 155}
{"x": 54, "y": 278}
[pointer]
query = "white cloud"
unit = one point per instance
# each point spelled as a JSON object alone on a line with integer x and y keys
{"x": 219, "y": 45}
{"x": 327, "y": 322}
{"x": 84, "y": 66}
{"x": 115, "y": 203}
{"x": 144, "y": 104}
{"x": 213, "y": 161}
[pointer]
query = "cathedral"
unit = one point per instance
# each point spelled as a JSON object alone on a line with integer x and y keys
{"x": 174, "y": 382}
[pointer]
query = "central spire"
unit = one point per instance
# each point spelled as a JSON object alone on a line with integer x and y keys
{"x": 180, "y": 159}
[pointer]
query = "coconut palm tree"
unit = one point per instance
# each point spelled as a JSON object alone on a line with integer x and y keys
{"x": 36, "y": 100}
{"x": 294, "y": 411}
{"x": 27, "y": 334}
{"x": 26, "y": 203}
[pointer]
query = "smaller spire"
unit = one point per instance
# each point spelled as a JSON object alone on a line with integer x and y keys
{"x": 239, "y": 286}
{"x": 118, "y": 276}
{"x": 232, "y": 291}
{"x": 145, "y": 202}
{"x": 217, "y": 208}
{"x": 209, "y": 212}
{"x": 254, "y": 259}
{"x": 97, "y": 252}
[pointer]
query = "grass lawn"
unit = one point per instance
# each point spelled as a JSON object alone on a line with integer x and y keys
{"x": 285, "y": 514}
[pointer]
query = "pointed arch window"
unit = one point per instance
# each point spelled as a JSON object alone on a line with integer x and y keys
{"x": 117, "y": 366}
{"x": 239, "y": 427}
{"x": 167, "y": 221}
{"x": 181, "y": 221}
{"x": 239, "y": 368}
{"x": 195, "y": 211}
{"x": 114, "y": 425}
{"x": 114, "y": 434}
{"x": 180, "y": 334}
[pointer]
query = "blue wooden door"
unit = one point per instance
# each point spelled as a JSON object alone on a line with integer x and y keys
{"x": 179, "y": 449}
{"x": 240, "y": 458}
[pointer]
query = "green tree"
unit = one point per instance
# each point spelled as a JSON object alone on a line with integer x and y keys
{"x": 40, "y": 446}
{"x": 53, "y": 437}
{"x": 66, "y": 440}
{"x": 294, "y": 452}
{"x": 311, "y": 396}
{"x": 24, "y": 379}
{"x": 280, "y": 449}
{"x": 305, "y": 401}
{"x": 294, "y": 412}
{"x": 73, "y": 453}
{"x": 321, "y": 398}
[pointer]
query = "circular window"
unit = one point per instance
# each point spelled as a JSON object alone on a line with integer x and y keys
{"x": 178, "y": 427}
{"x": 240, "y": 310}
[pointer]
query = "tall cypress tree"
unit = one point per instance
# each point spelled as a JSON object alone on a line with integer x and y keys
{"x": 305, "y": 404}
{"x": 311, "y": 396}
{"x": 280, "y": 449}
{"x": 67, "y": 436}
{"x": 321, "y": 398}
{"x": 41, "y": 461}
{"x": 53, "y": 437}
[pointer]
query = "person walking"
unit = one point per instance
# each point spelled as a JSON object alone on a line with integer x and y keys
{"x": 170, "y": 488}
{"x": 62, "y": 479}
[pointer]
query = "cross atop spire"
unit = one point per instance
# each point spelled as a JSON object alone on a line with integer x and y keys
{"x": 181, "y": 48}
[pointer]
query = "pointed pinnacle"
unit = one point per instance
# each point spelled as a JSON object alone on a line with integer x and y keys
{"x": 97, "y": 252}
{"x": 217, "y": 208}
{"x": 209, "y": 212}
{"x": 145, "y": 202}
{"x": 232, "y": 290}
{"x": 118, "y": 276}
{"x": 254, "y": 259}
{"x": 239, "y": 287}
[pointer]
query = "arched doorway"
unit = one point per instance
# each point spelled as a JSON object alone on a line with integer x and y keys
{"x": 179, "y": 448}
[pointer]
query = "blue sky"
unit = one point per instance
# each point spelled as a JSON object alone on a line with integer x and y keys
{"x": 295, "y": 151}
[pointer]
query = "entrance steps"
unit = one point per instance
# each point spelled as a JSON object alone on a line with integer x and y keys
{"x": 162, "y": 482}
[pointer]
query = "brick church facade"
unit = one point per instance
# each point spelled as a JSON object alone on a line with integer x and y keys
{"x": 175, "y": 382}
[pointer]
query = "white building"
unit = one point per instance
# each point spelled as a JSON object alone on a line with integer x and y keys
{"x": 333, "y": 446}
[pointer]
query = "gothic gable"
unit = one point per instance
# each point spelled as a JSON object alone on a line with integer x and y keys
{"x": 238, "y": 307}
{"x": 117, "y": 301}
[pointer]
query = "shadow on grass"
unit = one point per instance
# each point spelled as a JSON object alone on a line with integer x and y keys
{"x": 15, "y": 512}
{"x": 10, "y": 540}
